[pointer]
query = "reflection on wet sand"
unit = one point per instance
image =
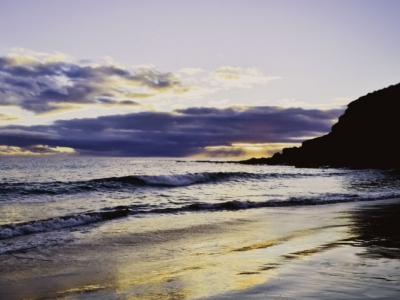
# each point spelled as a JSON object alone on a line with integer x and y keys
{"x": 213, "y": 255}
{"x": 364, "y": 265}
{"x": 376, "y": 229}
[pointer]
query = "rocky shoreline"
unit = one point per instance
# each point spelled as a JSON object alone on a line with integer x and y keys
{"x": 366, "y": 136}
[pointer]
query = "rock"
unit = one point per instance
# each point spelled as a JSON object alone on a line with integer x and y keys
{"x": 366, "y": 136}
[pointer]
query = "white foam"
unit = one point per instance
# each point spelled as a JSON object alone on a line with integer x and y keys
{"x": 176, "y": 180}
{"x": 44, "y": 226}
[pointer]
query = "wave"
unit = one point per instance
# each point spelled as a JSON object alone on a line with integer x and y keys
{"x": 291, "y": 202}
{"x": 18, "y": 229}
{"x": 177, "y": 180}
{"x": 134, "y": 181}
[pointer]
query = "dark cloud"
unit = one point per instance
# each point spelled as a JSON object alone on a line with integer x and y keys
{"x": 39, "y": 149}
{"x": 128, "y": 102}
{"x": 45, "y": 87}
{"x": 180, "y": 133}
{"x": 202, "y": 110}
{"x": 155, "y": 80}
{"x": 114, "y": 102}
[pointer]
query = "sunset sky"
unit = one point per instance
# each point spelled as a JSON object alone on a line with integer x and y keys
{"x": 186, "y": 78}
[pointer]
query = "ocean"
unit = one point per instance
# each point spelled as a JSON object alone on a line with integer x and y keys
{"x": 164, "y": 217}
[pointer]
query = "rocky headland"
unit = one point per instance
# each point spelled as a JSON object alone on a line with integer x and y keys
{"x": 367, "y": 135}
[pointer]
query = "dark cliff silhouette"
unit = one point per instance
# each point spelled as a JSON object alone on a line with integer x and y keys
{"x": 366, "y": 136}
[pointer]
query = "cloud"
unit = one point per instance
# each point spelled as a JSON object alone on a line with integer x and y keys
{"x": 156, "y": 80}
{"x": 8, "y": 117}
{"x": 228, "y": 76}
{"x": 184, "y": 132}
{"x": 34, "y": 150}
{"x": 43, "y": 83}
{"x": 291, "y": 102}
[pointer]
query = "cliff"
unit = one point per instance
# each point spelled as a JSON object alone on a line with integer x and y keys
{"x": 366, "y": 136}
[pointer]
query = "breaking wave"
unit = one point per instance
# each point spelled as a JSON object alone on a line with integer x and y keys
{"x": 134, "y": 181}
{"x": 18, "y": 229}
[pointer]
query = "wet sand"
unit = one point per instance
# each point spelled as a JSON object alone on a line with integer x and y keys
{"x": 364, "y": 266}
{"x": 340, "y": 251}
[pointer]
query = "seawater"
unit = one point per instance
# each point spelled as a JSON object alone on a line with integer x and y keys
{"x": 123, "y": 228}
{"x": 40, "y": 195}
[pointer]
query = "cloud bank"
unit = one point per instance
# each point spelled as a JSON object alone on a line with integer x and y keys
{"x": 180, "y": 133}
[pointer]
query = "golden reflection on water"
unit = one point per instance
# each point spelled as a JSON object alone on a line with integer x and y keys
{"x": 190, "y": 275}
{"x": 80, "y": 289}
{"x": 9, "y": 213}
{"x": 204, "y": 260}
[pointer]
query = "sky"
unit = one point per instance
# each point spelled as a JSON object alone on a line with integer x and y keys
{"x": 186, "y": 78}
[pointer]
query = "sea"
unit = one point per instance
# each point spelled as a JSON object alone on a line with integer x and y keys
{"x": 53, "y": 201}
{"x": 44, "y": 194}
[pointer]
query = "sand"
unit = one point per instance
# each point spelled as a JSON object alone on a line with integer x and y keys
{"x": 339, "y": 251}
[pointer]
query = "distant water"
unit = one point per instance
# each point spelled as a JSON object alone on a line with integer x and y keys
{"x": 47, "y": 194}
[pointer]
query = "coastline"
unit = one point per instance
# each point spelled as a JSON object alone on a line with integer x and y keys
{"x": 218, "y": 255}
{"x": 364, "y": 266}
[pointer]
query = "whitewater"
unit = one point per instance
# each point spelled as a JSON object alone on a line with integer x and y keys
{"x": 41, "y": 195}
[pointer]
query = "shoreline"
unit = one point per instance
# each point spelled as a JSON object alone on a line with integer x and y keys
{"x": 365, "y": 266}
{"x": 219, "y": 255}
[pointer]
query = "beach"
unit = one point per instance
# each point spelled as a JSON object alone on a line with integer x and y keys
{"x": 199, "y": 150}
{"x": 338, "y": 251}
